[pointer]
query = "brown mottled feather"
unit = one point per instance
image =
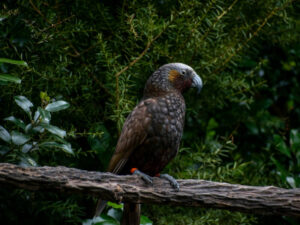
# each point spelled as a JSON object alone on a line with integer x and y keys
{"x": 133, "y": 134}
{"x": 151, "y": 135}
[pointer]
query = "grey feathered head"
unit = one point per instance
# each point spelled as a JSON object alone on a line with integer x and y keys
{"x": 172, "y": 77}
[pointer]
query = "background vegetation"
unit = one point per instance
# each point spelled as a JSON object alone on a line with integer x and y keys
{"x": 97, "y": 55}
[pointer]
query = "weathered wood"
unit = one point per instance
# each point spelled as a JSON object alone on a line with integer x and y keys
{"x": 250, "y": 199}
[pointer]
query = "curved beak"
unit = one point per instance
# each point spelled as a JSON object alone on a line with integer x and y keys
{"x": 197, "y": 82}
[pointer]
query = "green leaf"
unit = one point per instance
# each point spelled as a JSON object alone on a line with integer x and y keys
{"x": 145, "y": 221}
{"x": 44, "y": 96}
{"x": 291, "y": 182}
{"x": 3, "y": 17}
{"x": 57, "y": 106}
{"x": 212, "y": 124}
{"x": 4, "y": 149}
{"x": 252, "y": 127}
{"x": 295, "y": 140}
{"x": 24, "y": 103}
{"x": 38, "y": 129}
{"x": 46, "y": 115}
{"x": 4, "y": 135}
{"x": 281, "y": 146}
{"x": 294, "y": 137}
{"x": 100, "y": 144}
{"x": 16, "y": 121}
{"x": 36, "y": 116}
{"x": 19, "y": 138}
{"x": 52, "y": 144}
{"x": 54, "y": 130}
{"x": 28, "y": 128}
{"x": 115, "y": 205}
{"x": 115, "y": 213}
{"x": 26, "y": 148}
{"x": 101, "y": 220}
{"x": 280, "y": 168}
{"x": 3, "y": 82}
{"x": 15, "y": 62}
{"x": 107, "y": 220}
{"x": 33, "y": 129}
{"x": 28, "y": 161}
{"x": 10, "y": 78}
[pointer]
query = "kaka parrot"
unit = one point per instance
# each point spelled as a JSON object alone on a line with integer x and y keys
{"x": 151, "y": 134}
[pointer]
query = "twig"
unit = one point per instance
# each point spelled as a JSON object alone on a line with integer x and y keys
{"x": 38, "y": 11}
{"x": 276, "y": 9}
{"x": 117, "y": 75}
{"x": 140, "y": 55}
{"x": 217, "y": 20}
{"x": 55, "y": 24}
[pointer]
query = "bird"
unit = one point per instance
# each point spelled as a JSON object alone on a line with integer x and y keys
{"x": 151, "y": 134}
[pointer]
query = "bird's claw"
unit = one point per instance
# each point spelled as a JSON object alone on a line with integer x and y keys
{"x": 149, "y": 179}
{"x": 144, "y": 176}
{"x": 171, "y": 179}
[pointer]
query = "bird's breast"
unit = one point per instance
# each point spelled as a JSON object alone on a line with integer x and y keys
{"x": 163, "y": 134}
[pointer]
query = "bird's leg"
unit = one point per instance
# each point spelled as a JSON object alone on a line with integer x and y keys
{"x": 144, "y": 176}
{"x": 171, "y": 179}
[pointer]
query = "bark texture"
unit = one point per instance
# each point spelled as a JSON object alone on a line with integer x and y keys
{"x": 251, "y": 199}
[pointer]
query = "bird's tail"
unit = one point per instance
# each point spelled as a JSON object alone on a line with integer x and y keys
{"x": 131, "y": 214}
{"x": 100, "y": 206}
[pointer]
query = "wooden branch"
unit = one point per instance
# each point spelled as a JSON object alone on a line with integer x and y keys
{"x": 250, "y": 199}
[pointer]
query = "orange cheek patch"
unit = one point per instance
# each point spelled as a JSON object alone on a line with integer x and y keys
{"x": 173, "y": 75}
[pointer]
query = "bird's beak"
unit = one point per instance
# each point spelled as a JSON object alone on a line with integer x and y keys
{"x": 197, "y": 82}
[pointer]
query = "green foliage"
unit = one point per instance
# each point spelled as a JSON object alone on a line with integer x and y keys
{"x": 9, "y": 78}
{"x": 15, "y": 62}
{"x": 97, "y": 55}
{"x": 113, "y": 217}
{"x": 4, "y": 78}
{"x": 287, "y": 159}
{"x": 21, "y": 144}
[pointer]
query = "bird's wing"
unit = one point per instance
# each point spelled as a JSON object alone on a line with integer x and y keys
{"x": 134, "y": 133}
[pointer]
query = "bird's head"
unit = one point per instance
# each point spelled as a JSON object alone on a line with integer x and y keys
{"x": 173, "y": 76}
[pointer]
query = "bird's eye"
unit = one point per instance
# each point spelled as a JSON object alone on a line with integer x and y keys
{"x": 182, "y": 72}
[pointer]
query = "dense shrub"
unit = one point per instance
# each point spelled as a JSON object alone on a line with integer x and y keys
{"x": 97, "y": 55}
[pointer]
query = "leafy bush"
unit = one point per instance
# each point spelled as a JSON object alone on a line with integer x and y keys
{"x": 5, "y": 78}
{"x": 97, "y": 56}
{"x": 113, "y": 217}
{"x": 287, "y": 159}
{"x": 37, "y": 135}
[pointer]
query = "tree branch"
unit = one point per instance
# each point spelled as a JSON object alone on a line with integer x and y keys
{"x": 250, "y": 199}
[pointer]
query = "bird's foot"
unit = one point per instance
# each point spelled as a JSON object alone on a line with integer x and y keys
{"x": 144, "y": 176}
{"x": 171, "y": 179}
